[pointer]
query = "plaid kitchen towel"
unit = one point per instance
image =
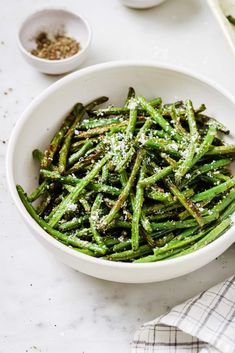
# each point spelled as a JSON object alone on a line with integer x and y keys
{"x": 205, "y": 324}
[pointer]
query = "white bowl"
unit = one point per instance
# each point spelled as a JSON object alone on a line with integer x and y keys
{"x": 141, "y": 4}
{"x": 53, "y": 21}
{"x": 221, "y": 9}
{"x": 43, "y": 117}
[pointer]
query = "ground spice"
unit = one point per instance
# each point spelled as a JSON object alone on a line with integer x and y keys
{"x": 57, "y": 48}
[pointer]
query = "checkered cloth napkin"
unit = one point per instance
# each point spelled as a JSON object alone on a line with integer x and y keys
{"x": 205, "y": 324}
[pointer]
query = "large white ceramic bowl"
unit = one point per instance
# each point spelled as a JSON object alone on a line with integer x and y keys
{"x": 38, "y": 123}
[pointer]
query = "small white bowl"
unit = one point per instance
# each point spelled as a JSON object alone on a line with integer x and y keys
{"x": 141, "y": 4}
{"x": 53, "y": 21}
{"x": 43, "y": 117}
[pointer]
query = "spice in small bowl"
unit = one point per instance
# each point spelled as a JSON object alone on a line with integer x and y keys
{"x": 55, "y": 41}
{"x": 55, "y": 47}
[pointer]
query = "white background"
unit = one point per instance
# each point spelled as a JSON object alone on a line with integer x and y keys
{"x": 44, "y": 305}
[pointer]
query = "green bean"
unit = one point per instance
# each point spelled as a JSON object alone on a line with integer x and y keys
{"x": 110, "y": 242}
{"x": 77, "y": 190}
{"x": 174, "y": 246}
{"x": 85, "y": 204}
{"x": 173, "y": 225}
{"x": 206, "y": 144}
{"x": 83, "y": 233}
{"x": 154, "y": 258}
{"x": 169, "y": 160}
{"x": 97, "y": 131}
{"x": 77, "y": 155}
{"x": 176, "y": 104}
{"x": 211, "y": 193}
{"x": 218, "y": 150}
{"x": 85, "y": 162}
{"x": 160, "y": 242}
{"x": 182, "y": 224}
{"x": 156, "y": 177}
{"x": 129, "y": 255}
{"x": 119, "y": 224}
{"x": 226, "y": 200}
{"x": 191, "y": 120}
{"x": 44, "y": 185}
{"x": 186, "y": 163}
{"x": 188, "y": 204}
{"x": 208, "y": 179}
{"x": 123, "y": 163}
{"x": 38, "y": 155}
{"x": 124, "y": 110}
{"x": 74, "y": 223}
{"x": 69, "y": 240}
{"x": 174, "y": 205}
{"x": 94, "y": 217}
{"x": 86, "y": 252}
{"x": 38, "y": 191}
{"x": 167, "y": 147}
{"x": 160, "y": 208}
{"x": 77, "y": 145}
{"x": 132, "y": 122}
{"x": 175, "y": 243}
{"x": 63, "y": 153}
{"x": 176, "y": 120}
{"x": 169, "y": 214}
{"x": 185, "y": 214}
{"x": 124, "y": 245}
{"x": 125, "y": 192}
{"x": 58, "y": 137}
{"x": 111, "y": 111}
{"x": 47, "y": 197}
{"x": 139, "y": 199}
{"x": 147, "y": 125}
{"x": 145, "y": 223}
{"x": 206, "y": 168}
{"x": 155, "y": 102}
{"x": 228, "y": 212}
{"x": 189, "y": 232}
{"x": 70, "y": 180}
{"x": 231, "y": 19}
{"x": 155, "y": 114}
{"x": 94, "y": 123}
{"x": 95, "y": 102}
{"x": 219, "y": 176}
{"x": 130, "y": 94}
{"x": 159, "y": 195}
{"x": 211, "y": 236}
{"x": 105, "y": 173}
{"x": 124, "y": 180}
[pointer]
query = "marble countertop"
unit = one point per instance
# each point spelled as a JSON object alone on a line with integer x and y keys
{"x": 46, "y": 306}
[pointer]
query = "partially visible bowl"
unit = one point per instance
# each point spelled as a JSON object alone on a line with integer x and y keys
{"x": 43, "y": 117}
{"x": 54, "y": 21}
{"x": 222, "y": 9}
{"x": 141, "y": 4}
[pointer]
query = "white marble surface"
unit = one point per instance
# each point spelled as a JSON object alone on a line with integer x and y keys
{"x": 44, "y": 305}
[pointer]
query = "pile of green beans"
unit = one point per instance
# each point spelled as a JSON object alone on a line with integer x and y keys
{"x": 139, "y": 183}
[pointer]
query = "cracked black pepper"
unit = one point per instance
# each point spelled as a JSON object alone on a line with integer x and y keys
{"x": 56, "y": 48}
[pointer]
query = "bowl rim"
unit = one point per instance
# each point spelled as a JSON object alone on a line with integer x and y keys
{"x": 64, "y": 248}
{"x": 59, "y": 61}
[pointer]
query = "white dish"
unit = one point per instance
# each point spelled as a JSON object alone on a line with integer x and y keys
{"x": 43, "y": 117}
{"x": 141, "y": 4}
{"x": 53, "y": 21}
{"x": 221, "y": 9}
